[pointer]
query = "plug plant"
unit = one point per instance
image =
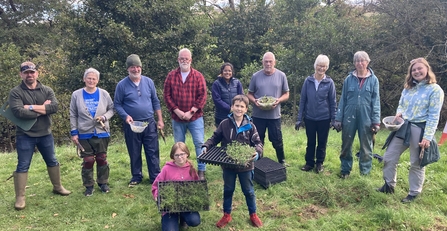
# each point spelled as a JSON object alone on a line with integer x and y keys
{"x": 183, "y": 196}
{"x": 240, "y": 153}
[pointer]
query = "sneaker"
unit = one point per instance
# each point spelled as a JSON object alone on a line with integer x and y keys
{"x": 224, "y": 220}
{"x": 255, "y": 221}
{"x": 319, "y": 168}
{"x": 307, "y": 168}
{"x": 104, "y": 188}
{"x": 285, "y": 164}
{"x": 89, "y": 191}
{"x": 387, "y": 189}
{"x": 133, "y": 184}
{"x": 344, "y": 176}
{"x": 408, "y": 199}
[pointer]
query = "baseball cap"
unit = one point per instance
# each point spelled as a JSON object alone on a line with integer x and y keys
{"x": 27, "y": 66}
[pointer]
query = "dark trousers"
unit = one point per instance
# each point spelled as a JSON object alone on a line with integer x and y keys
{"x": 149, "y": 140}
{"x": 171, "y": 221}
{"x": 275, "y": 134}
{"x": 316, "y": 131}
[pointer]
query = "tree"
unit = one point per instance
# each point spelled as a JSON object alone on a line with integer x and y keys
{"x": 30, "y": 22}
{"x": 407, "y": 30}
{"x": 10, "y": 60}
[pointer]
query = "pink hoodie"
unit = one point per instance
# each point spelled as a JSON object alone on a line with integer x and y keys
{"x": 173, "y": 172}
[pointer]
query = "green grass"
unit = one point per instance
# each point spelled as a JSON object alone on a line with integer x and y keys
{"x": 306, "y": 201}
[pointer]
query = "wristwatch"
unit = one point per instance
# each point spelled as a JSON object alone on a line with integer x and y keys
{"x": 30, "y": 107}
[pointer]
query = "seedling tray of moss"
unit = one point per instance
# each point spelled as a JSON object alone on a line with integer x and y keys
{"x": 183, "y": 196}
{"x": 219, "y": 156}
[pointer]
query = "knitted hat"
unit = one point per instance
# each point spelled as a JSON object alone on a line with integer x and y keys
{"x": 133, "y": 60}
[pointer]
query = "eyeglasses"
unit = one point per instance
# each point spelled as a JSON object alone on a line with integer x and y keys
{"x": 179, "y": 155}
{"x": 321, "y": 66}
{"x": 184, "y": 59}
{"x": 139, "y": 92}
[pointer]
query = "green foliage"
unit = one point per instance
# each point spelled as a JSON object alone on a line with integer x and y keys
{"x": 306, "y": 201}
{"x": 67, "y": 38}
{"x": 183, "y": 196}
{"x": 240, "y": 153}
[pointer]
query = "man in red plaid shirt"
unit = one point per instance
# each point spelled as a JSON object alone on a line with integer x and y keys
{"x": 185, "y": 96}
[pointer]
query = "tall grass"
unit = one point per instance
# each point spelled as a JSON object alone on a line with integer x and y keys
{"x": 306, "y": 201}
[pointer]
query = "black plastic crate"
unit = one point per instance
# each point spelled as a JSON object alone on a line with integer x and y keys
{"x": 268, "y": 172}
{"x": 183, "y": 196}
{"x": 218, "y": 156}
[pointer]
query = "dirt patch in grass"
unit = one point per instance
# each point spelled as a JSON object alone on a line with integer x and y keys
{"x": 312, "y": 212}
{"x": 439, "y": 225}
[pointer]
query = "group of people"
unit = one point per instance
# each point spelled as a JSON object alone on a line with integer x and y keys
{"x": 185, "y": 95}
{"x": 358, "y": 111}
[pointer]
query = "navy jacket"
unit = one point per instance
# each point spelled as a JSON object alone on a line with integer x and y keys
{"x": 223, "y": 93}
{"x": 318, "y": 104}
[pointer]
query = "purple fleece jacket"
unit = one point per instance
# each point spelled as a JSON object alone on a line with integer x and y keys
{"x": 174, "y": 173}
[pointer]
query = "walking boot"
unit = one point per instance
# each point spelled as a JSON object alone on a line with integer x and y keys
{"x": 55, "y": 177}
{"x": 20, "y": 179}
{"x": 386, "y": 189}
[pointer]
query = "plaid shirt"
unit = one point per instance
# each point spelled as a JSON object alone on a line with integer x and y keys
{"x": 184, "y": 96}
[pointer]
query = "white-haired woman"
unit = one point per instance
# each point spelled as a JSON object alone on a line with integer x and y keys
{"x": 317, "y": 111}
{"x": 90, "y": 110}
{"x": 358, "y": 112}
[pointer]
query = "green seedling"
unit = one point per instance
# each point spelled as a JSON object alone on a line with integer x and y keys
{"x": 240, "y": 153}
{"x": 183, "y": 196}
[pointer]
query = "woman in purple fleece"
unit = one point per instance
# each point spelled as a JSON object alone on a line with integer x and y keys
{"x": 179, "y": 168}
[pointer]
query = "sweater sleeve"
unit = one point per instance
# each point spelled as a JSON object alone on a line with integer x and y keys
{"x": 160, "y": 177}
{"x": 118, "y": 100}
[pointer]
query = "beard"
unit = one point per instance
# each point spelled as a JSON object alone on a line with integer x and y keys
{"x": 134, "y": 76}
{"x": 185, "y": 67}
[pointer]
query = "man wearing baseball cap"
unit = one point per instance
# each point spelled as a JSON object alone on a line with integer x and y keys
{"x": 33, "y": 100}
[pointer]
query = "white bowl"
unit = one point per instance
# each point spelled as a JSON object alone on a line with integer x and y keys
{"x": 391, "y": 124}
{"x": 138, "y": 126}
{"x": 266, "y": 106}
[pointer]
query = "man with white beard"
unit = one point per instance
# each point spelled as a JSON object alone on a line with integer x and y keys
{"x": 136, "y": 100}
{"x": 185, "y": 96}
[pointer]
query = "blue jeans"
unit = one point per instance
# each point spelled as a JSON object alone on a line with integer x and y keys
{"x": 25, "y": 151}
{"x": 197, "y": 130}
{"x": 170, "y": 221}
{"x": 245, "y": 178}
{"x": 149, "y": 140}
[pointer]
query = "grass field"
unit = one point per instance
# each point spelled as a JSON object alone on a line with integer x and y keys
{"x": 306, "y": 201}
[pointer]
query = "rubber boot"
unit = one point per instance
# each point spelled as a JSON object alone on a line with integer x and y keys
{"x": 55, "y": 177}
{"x": 20, "y": 179}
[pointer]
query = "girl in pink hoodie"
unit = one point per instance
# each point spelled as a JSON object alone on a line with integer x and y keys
{"x": 179, "y": 168}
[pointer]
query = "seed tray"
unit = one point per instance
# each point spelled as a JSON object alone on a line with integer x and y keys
{"x": 183, "y": 196}
{"x": 218, "y": 156}
{"x": 268, "y": 172}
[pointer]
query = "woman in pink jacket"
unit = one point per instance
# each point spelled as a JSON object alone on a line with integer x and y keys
{"x": 179, "y": 168}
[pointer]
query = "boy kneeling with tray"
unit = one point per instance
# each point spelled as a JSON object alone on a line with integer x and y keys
{"x": 237, "y": 128}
